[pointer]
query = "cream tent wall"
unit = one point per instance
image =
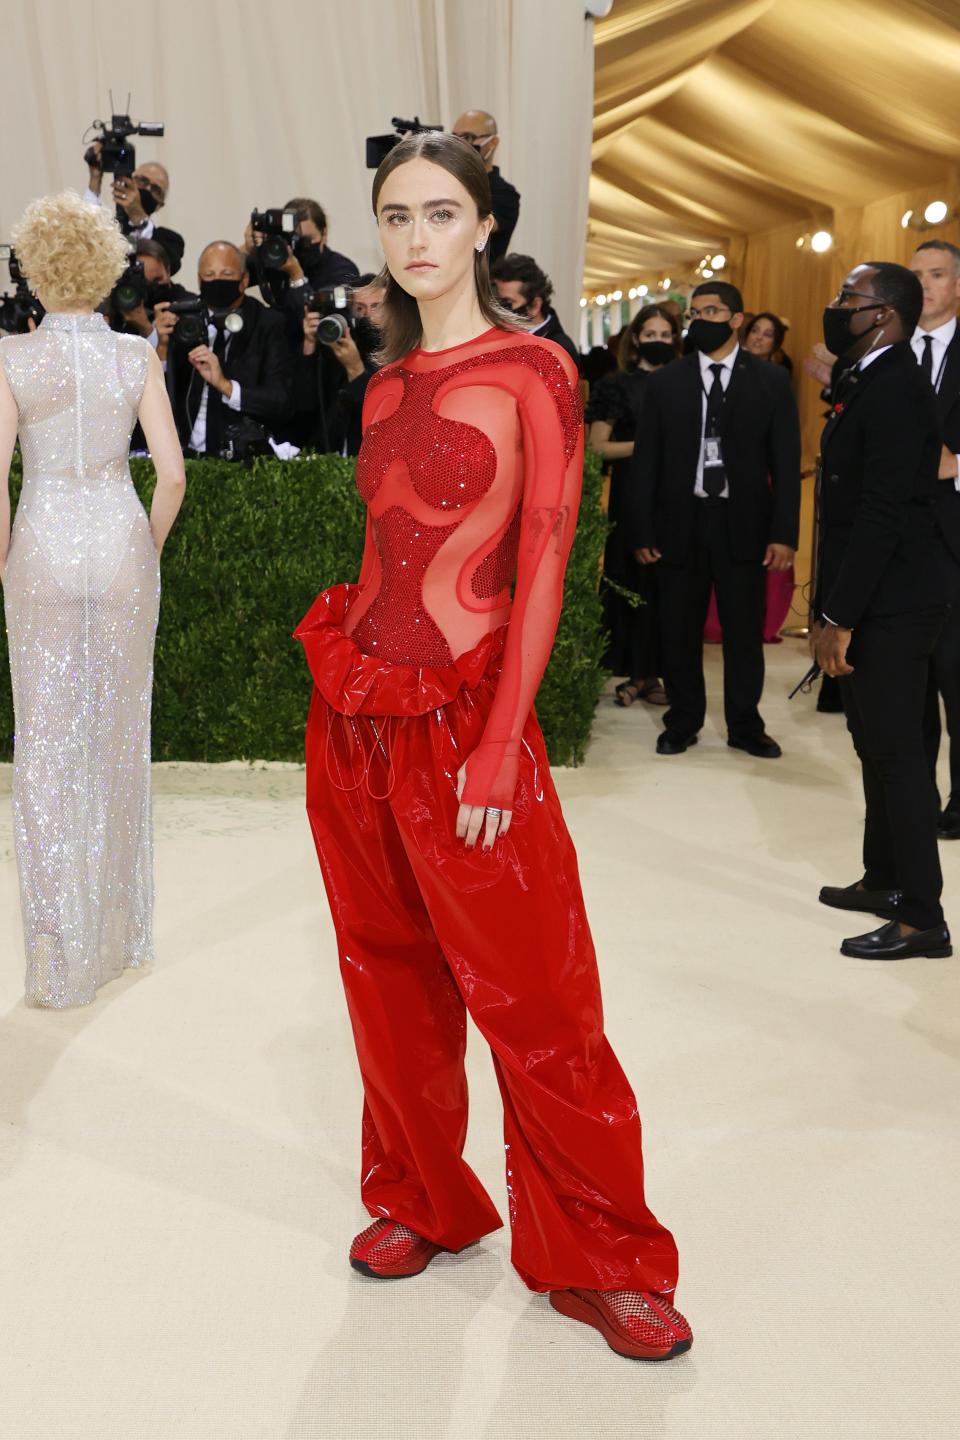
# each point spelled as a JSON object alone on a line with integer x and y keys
{"x": 262, "y": 102}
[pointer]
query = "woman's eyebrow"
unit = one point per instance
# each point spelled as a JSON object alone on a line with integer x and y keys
{"x": 427, "y": 205}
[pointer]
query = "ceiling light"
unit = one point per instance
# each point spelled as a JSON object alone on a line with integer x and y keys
{"x": 719, "y": 262}
{"x": 632, "y": 293}
{"x": 617, "y": 295}
{"x": 936, "y": 212}
{"x": 643, "y": 290}
{"x": 666, "y": 283}
{"x": 583, "y": 301}
{"x": 821, "y": 241}
{"x": 708, "y": 274}
{"x": 601, "y": 300}
{"x": 905, "y": 219}
{"x": 801, "y": 241}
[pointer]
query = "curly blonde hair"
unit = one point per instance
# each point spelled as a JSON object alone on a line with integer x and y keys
{"x": 71, "y": 251}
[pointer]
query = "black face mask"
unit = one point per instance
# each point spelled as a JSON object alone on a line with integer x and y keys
{"x": 837, "y": 333}
{"x": 709, "y": 335}
{"x": 366, "y": 336}
{"x": 159, "y": 291}
{"x": 149, "y": 201}
{"x": 219, "y": 294}
{"x": 655, "y": 352}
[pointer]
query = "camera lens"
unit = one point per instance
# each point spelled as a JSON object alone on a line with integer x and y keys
{"x": 331, "y": 329}
{"x": 127, "y": 297}
{"x": 274, "y": 251}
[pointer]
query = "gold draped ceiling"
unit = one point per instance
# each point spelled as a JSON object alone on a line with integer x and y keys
{"x": 715, "y": 120}
{"x": 740, "y": 125}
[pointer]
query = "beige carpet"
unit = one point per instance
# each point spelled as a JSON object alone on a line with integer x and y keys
{"x": 178, "y": 1163}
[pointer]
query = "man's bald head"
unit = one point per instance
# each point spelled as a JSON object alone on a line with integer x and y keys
{"x": 479, "y": 129}
{"x": 156, "y": 172}
{"x": 221, "y": 260}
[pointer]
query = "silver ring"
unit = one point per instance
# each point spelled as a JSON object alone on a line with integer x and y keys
{"x": 492, "y": 810}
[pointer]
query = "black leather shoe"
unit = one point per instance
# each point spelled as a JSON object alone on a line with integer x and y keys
{"x": 870, "y": 902}
{"x": 760, "y": 745}
{"x": 670, "y": 743}
{"x": 888, "y": 944}
{"x": 948, "y": 826}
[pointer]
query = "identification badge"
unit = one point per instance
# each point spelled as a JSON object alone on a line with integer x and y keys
{"x": 712, "y": 453}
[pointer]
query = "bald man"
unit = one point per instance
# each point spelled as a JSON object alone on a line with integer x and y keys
{"x": 137, "y": 197}
{"x": 245, "y": 369}
{"x": 479, "y": 129}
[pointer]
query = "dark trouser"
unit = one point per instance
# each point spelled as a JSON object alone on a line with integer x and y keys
{"x": 945, "y": 680}
{"x": 884, "y": 702}
{"x": 684, "y": 593}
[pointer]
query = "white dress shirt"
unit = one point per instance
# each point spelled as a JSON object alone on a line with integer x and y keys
{"x": 198, "y": 435}
{"x": 706, "y": 383}
{"x": 941, "y": 338}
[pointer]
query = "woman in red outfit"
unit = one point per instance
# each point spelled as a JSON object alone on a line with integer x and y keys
{"x": 451, "y": 878}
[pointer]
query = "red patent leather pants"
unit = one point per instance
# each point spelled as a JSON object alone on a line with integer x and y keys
{"x": 428, "y": 930}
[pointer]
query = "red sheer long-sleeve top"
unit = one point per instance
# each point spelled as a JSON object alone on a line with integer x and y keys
{"x": 470, "y": 468}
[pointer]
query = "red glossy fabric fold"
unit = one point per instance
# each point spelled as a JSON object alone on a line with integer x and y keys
{"x": 355, "y": 683}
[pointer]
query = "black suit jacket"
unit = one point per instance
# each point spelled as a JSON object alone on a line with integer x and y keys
{"x": 554, "y": 331}
{"x": 760, "y": 431}
{"x": 880, "y": 553}
{"x": 258, "y": 358}
{"x": 948, "y": 402}
{"x": 505, "y": 201}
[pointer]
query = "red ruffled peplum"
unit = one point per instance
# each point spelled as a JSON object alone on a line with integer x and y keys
{"x": 358, "y": 684}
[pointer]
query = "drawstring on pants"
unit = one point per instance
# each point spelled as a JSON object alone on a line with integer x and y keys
{"x": 386, "y": 751}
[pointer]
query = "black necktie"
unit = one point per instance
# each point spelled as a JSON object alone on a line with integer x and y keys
{"x": 215, "y": 421}
{"x": 714, "y": 478}
{"x": 926, "y": 359}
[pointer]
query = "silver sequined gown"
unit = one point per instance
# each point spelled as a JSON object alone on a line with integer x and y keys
{"x": 81, "y": 594}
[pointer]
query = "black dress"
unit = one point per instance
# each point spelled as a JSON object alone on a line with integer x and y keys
{"x": 633, "y": 649}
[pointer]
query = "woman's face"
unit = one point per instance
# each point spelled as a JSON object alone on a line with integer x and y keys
{"x": 762, "y": 339}
{"x": 656, "y": 328}
{"x": 429, "y": 229}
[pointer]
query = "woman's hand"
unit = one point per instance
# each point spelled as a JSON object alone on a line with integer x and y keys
{"x": 471, "y": 819}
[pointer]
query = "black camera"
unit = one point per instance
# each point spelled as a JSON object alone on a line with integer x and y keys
{"x": 116, "y": 152}
{"x": 379, "y": 146}
{"x": 191, "y": 327}
{"x": 130, "y": 291}
{"x": 18, "y": 309}
{"x": 338, "y": 320}
{"x": 279, "y": 229}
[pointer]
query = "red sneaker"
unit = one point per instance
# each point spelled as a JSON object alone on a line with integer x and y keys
{"x": 638, "y": 1324}
{"x": 387, "y": 1250}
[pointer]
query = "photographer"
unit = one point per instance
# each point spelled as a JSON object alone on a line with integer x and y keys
{"x": 157, "y": 289}
{"x": 137, "y": 197}
{"x": 526, "y": 290}
{"x": 332, "y": 376}
{"x": 479, "y": 129}
{"x": 244, "y": 367}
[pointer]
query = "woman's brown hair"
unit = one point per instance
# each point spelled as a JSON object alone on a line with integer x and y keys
{"x": 627, "y": 356}
{"x": 399, "y": 323}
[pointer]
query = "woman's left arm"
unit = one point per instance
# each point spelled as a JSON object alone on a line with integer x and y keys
{"x": 551, "y": 420}
{"x": 8, "y": 439}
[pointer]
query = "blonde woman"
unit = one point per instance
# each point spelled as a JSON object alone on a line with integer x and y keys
{"x": 81, "y": 582}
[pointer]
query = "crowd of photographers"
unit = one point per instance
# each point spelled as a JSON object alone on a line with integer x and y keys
{"x": 286, "y": 371}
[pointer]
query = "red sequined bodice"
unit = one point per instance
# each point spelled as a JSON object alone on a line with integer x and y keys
{"x": 470, "y": 468}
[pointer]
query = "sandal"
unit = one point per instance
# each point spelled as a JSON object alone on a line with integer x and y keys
{"x": 654, "y": 693}
{"x": 626, "y": 693}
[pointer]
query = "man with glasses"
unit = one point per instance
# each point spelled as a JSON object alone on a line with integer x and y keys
{"x": 882, "y": 594}
{"x": 480, "y": 130}
{"x": 716, "y": 503}
{"x": 137, "y": 198}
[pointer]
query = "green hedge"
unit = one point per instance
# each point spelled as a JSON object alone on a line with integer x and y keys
{"x": 250, "y": 550}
